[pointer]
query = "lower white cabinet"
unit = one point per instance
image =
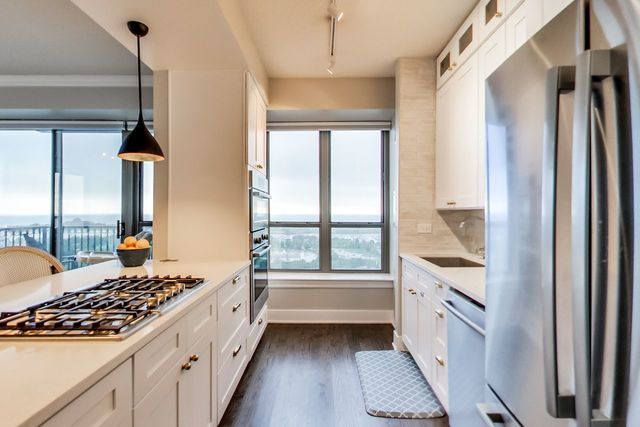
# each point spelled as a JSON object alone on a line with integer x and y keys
{"x": 184, "y": 377}
{"x": 106, "y": 404}
{"x": 424, "y": 326}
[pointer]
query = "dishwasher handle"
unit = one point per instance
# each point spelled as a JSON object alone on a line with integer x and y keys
{"x": 464, "y": 319}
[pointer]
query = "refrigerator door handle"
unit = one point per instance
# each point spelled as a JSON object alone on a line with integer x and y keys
{"x": 602, "y": 232}
{"x": 559, "y": 80}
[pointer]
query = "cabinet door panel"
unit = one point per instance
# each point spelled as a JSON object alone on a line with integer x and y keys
{"x": 105, "y": 404}
{"x": 522, "y": 24}
{"x": 261, "y": 134}
{"x": 463, "y": 171}
{"x": 492, "y": 14}
{"x": 444, "y": 147}
{"x": 550, "y": 8}
{"x": 251, "y": 121}
{"x": 160, "y": 408}
{"x": 410, "y": 319}
{"x": 425, "y": 337}
{"x": 196, "y": 400}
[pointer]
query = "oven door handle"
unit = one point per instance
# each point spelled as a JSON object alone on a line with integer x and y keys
{"x": 261, "y": 252}
{"x": 260, "y": 194}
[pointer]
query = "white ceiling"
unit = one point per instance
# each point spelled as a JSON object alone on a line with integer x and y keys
{"x": 292, "y": 36}
{"x": 54, "y": 37}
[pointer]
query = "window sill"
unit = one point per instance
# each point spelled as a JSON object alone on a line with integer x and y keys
{"x": 302, "y": 280}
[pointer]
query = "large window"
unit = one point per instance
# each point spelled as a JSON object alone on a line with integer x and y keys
{"x": 70, "y": 182}
{"x": 329, "y": 200}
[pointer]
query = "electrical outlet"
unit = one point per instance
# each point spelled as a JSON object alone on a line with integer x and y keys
{"x": 425, "y": 228}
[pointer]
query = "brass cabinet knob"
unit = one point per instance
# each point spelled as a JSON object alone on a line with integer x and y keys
{"x": 237, "y": 350}
{"x": 497, "y": 15}
{"x": 438, "y": 284}
{"x": 439, "y": 313}
{"x": 186, "y": 366}
{"x": 194, "y": 358}
{"x": 235, "y": 280}
{"x": 412, "y": 291}
{"x": 260, "y": 321}
{"x": 236, "y": 307}
{"x": 439, "y": 360}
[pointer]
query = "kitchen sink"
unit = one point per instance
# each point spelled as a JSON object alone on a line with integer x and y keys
{"x": 456, "y": 262}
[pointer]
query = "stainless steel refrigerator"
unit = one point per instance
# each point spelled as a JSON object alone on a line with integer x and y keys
{"x": 563, "y": 180}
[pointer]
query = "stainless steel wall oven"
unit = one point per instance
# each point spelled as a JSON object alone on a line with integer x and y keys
{"x": 260, "y": 247}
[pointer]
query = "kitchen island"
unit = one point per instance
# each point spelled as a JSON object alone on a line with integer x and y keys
{"x": 41, "y": 376}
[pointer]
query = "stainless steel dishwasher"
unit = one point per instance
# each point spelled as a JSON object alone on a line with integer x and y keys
{"x": 465, "y": 346}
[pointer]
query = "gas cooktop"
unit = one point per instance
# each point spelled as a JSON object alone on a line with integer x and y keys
{"x": 112, "y": 309}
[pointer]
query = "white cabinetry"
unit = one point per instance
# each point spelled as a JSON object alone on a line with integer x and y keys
{"x": 424, "y": 326}
{"x": 522, "y": 24}
{"x": 492, "y": 14}
{"x": 256, "y": 126}
{"x": 106, "y": 404}
{"x": 457, "y": 139}
{"x": 550, "y": 8}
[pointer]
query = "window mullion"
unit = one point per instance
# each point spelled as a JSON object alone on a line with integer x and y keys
{"x": 325, "y": 208}
{"x": 56, "y": 233}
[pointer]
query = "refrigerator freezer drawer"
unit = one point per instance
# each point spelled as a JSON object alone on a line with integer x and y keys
{"x": 494, "y": 414}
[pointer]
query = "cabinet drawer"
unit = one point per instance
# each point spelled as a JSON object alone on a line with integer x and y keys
{"x": 232, "y": 364}
{"x": 440, "y": 325}
{"x": 107, "y": 403}
{"x": 157, "y": 357}
{"x": 409, "y": 274}
{"x": 239, "y": 281}
{"x": 201, "y": 320}
{"x": 233, "y": 317}
{"x": 257, "y": 330}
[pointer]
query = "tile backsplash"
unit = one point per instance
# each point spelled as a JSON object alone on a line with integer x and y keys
{"x": 467, "y": 226}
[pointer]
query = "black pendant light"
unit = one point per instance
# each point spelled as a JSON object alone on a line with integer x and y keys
{"x": 140, "y": 145}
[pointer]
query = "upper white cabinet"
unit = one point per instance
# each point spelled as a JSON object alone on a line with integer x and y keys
{"x": 492, "y": 15}
{"x": 550, "y": 8}
{"x": 256, "y": 126}
{"x": 522, "y": 24}
{"x": 494, "y": 30}
{"x": 456, "y": 145}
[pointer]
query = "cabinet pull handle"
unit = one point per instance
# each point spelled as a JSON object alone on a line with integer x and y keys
{"x": 236, "y": 307}
{"x": 237, "y": 350}
{"x": 235, "y": 280}
{"x": 260, "y": 321}
{"x": 259, "y": 166}
{"x": 438, "y": 284}
{"x": 186, "y": 366}
{"x": 412, "y": 291}
{"x": 440, "y": 360}
{"x": 451, "y": 203}
{"x": 497, "y": 15}
{"x": 194, "y": 358}
{"x": 439, "y": 313}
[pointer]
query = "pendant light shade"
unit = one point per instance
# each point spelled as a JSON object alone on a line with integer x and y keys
{"x": 140, "y": 145}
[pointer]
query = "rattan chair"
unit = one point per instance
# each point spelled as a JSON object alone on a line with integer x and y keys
{"x": 20, "y": 263}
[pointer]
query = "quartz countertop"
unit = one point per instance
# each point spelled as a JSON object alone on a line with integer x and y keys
{"x": 39, "y": 377}
{"x": 468, "y": 280}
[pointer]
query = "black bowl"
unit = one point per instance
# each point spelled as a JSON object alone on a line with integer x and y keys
{"x": 133, "y": 257}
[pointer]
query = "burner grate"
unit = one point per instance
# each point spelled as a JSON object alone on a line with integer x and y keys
{"x": 110, "y": 308}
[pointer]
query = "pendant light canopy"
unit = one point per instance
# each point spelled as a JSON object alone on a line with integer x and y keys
{"x": 140, "y": 145}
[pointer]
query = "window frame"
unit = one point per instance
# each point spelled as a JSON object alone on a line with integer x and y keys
{"x": 325, "y": 225}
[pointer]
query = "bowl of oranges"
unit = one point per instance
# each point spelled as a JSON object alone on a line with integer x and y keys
{"x": 133, "y": 252}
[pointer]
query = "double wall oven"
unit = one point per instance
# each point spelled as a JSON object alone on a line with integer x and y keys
{"x": 260, "y": 247}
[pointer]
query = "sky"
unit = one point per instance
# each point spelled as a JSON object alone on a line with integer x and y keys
{"x": 91, "y": 173}
{"x": 355, "y": 174}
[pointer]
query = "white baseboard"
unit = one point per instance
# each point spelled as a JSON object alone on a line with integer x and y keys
{"x": 330, "y": 316}
{"x": 398, "y": 344}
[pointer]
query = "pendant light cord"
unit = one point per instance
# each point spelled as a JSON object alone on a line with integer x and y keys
{"x": 139, "y": 82}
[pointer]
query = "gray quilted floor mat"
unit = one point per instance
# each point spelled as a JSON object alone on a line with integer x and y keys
{"x": 394, "y": 387}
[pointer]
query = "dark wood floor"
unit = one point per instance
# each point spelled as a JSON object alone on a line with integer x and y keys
{"x": 306, "y": 375}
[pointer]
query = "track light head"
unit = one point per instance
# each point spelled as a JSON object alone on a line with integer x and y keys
{"x": 330, "y": 67}
{"x": 334, "y": 12}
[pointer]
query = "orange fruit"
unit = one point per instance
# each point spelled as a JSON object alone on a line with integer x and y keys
{"x": 122, "y": 246}
{"x": 142, "y": 244}
{"x": 130, "y": 241}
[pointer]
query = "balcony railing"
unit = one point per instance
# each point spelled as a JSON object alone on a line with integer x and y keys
{"x": 75, "y": 238}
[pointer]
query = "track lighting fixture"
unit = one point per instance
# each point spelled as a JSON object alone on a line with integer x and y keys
{"x": 334, "y": 12}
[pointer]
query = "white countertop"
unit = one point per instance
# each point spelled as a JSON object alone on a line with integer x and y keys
{"x": 468, "y": 280}
{"x": 40, "y": 377}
